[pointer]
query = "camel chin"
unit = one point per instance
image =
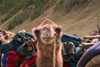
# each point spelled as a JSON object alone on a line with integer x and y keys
{"x": 47, "y": 40}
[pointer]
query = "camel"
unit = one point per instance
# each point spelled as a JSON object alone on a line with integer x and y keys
{"x": 45, "y": 37}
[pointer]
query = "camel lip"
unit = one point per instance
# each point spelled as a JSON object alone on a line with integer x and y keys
{"x": 47, "y": 41}
{"x": 47, "y": 37}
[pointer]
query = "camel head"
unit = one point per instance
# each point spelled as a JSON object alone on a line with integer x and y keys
{"x": 46, "y": 31}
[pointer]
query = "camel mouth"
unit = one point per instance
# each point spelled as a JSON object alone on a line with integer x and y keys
{"x": 47, "y": 40}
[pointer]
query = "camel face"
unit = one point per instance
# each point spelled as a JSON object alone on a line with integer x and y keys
{"x": 46, "y": 30}
{"x": 47, "y": 35}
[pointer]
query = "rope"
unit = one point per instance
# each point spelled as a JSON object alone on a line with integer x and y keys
{"x": 54, "y": 51}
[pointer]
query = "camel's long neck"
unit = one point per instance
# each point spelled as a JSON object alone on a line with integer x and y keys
{"x": 45, "y": 55}
{"x": 47, "y": 51}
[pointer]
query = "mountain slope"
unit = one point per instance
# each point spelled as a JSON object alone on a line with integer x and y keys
{"x": 80, "y": 20}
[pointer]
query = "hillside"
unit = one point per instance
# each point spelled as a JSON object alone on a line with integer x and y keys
{"x": 80, "y": 19}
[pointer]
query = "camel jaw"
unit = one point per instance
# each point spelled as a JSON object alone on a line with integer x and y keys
{"x": 47, "y": 40}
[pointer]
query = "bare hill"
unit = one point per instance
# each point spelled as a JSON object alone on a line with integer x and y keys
{"x": 80, "y": 20}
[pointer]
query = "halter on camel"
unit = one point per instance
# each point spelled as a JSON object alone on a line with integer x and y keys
{"x": 54, "y": 50}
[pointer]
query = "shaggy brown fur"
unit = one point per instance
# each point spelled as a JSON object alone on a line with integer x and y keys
{"x": 45, "y": 52}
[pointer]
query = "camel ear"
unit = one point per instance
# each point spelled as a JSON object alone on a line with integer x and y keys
{"x": 58, "y": 29}
{"x": 36, "y": 32}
